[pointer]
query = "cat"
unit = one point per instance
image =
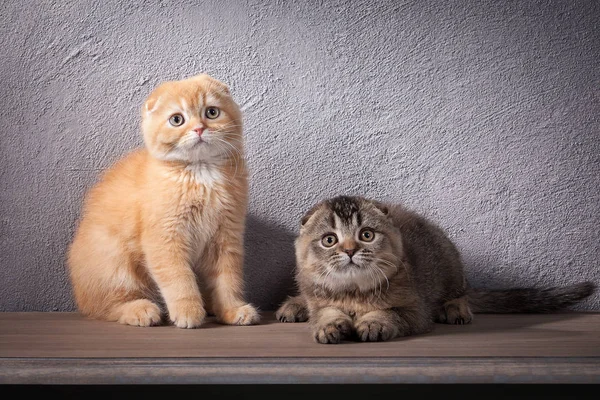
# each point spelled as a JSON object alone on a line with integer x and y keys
{"x": 373, "y": 271}
{"x": 161, "y": 233}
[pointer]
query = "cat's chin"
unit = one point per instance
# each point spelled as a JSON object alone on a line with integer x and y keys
{"x": 199, "y": 153}
{"x": 352, "y": 276}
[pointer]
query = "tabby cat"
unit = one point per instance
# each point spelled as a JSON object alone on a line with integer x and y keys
{"x": 373, "y": 271}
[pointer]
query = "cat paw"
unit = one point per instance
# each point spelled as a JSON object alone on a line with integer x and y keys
{"x": 292, "y": 310}
{"x": 187, "y": 313}
{"x": 140, "y": 313}
{"x": 455, "y": 312}
{"x": 244, "y": 315}
{"x": 333, "y": 332}
{"x": 375, "y": 331}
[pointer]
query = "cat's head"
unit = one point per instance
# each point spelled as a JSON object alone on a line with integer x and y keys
{"x": 192, "y": 120}
{"x": 348, "y": 242}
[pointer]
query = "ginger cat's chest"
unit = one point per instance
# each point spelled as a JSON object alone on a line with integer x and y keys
{"x": 199, "y": 201}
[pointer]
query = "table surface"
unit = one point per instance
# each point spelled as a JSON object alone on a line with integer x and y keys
{"x": 68, "y": 348}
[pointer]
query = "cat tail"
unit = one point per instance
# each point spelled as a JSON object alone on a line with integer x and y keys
{"x": 528, "y": 300}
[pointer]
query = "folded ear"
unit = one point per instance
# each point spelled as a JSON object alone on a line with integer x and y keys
{"x": 381, "y": 207}
{"x": 151, "y": 104}
{"x": 223, "y": 87}
{"x": 310, "y": 213}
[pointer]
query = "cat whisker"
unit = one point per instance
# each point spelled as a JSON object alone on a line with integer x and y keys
{"x": 231, "y": 157}
{"x": 378, "y": 281}
{"x": 374, "y": 278}
{"x": 404, "y": 267}
{"x": 371, "y": 268}
{"x": 385, "y": 277}
{"x": 232, "y": 153}
{"x": 386, "y": 262}
{"x": 381, "y": 282}
{"x": 360, "y": 257}
{"x": 321, "y": 275}
{"x": 227, "y": 126}
{"x": 227, "y": 132}
{"x": 326, "y": 276}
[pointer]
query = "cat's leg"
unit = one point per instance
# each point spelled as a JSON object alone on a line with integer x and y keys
{"x": 141, "y": 312}
{"x": 330, "y": 325}
{"x": 207, "y": 299}
{"x": 227, "y": 286}
{"x": 381, "y": 325}
{"x": 168, "y": 263}
{"x": 106, "y": 283}
{"x": 294, "y": 309}
{"x": 456, "y": 311}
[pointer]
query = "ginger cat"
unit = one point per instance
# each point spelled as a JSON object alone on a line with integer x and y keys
{"x": 162, "y": 232}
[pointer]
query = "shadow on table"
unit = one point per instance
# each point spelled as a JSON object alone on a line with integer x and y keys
{"x": 504, "y": 323}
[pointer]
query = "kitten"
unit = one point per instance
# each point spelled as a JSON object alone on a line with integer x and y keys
{"x": 376, "y": 271}
{"x": 162, "y": 232}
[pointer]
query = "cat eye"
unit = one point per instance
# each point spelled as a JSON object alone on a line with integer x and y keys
{"x": 212, "y": 112}
{"x": 367, "y": 235}
{"x": 329, "y": 240}
{"x": 176, "y": 120}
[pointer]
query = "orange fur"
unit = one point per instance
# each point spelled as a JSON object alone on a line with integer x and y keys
{"x": 163, "y": 229}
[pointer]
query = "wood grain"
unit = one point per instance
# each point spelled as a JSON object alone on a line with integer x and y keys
{"x": 312, "y": 370}
{"x": 62, "y": 335}
{"x": 67, "y": 348}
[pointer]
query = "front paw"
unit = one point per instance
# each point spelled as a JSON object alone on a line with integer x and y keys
{"x": 375, "y": 331}
{"x": 333, "y": 332}
{"x": 187, "y": 313}
{"x": 292, "y": 310}
{"x": 244, "y": 315}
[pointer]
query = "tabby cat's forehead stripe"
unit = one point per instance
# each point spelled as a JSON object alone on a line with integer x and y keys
{"x": 346, "y": 208}
{"x": 337, "y": 221}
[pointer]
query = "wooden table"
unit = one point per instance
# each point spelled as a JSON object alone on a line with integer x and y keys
{"x": 65, "y": 348}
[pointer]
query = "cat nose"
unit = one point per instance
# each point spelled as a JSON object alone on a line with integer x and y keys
{"x": 350, "y": 252}
{"x": 199, "y": 131}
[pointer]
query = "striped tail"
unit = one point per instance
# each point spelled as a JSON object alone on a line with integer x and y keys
{"x": 528, "y": 300}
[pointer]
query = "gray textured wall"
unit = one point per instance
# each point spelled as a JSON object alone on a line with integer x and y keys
{"x": 484, "y": 115}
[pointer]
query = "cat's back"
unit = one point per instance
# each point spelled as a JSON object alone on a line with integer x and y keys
{"x": 420, "y": 234}
{"x": 110, "y": 214}
{"x": 129, "y": 170}
{"x": 435, "y": 260}
{"x": 117, "y": 189}
{"x": 410, "y": 223}
{"x": 126, "y": 171}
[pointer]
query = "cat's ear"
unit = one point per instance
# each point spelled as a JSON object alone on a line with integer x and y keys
{"x": 309, "y": 214}
{"x": 221, "y": 87}
{"x": 224, "y": 88}
{"x": 151, "y": 104}
{"x": 381, "y": 207}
